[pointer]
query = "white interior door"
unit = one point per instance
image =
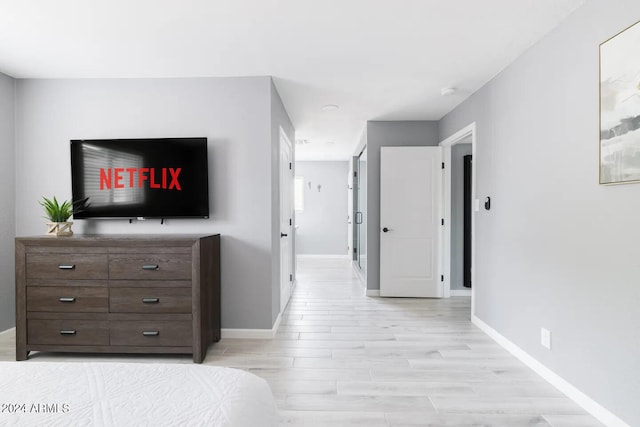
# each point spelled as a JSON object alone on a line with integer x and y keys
{"x": 410, "y": 221}
{"x": 286, "y": 221}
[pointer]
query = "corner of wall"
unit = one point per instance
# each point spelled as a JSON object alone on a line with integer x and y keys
{"x": 8, "y": 191}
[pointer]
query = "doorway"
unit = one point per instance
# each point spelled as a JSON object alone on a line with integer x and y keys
{"x": 460, "y": 205}
{"x": 467, "y": 166}
{"x": 452, "y": 265}
{"x": 360, "y": 213}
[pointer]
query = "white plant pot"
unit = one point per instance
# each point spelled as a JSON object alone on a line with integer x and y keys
{"x": 59, "y": 228}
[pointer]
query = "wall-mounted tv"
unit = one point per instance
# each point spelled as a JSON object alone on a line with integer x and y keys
{"x": 140, "y": 178}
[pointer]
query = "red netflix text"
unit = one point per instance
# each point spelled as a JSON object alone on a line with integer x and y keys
{"x": 125, "y": 177}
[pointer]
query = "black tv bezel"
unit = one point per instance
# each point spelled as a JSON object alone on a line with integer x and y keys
{"x": 145, "y": 217}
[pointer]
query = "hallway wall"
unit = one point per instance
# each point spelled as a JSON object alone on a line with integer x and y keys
{"x": 322, "y": 225}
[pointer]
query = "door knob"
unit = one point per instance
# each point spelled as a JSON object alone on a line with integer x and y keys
{"x": 384, "y": 230}
{"x": 283, "y": 234}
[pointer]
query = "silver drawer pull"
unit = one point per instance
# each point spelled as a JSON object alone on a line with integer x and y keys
{"x": 67, "y": 267}
{"x": 150, "y": 300}
{"x": 70, "y": 332}
{"x": 67, "y": 299}
{"x": 150, "y": 333}
{"x": 151, "y": 267}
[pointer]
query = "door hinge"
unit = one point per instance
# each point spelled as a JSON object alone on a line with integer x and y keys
{"x": 442, "y": 277}
{"x": 355, "y": 174}
{"x": 442, "y": 165}
{"x": 290, "y": 222}
{"x": 355, "y": 250}
{"x": 441, "y": 221}
{"x": 291, "y": 277}
{"x": 290, "y": 166}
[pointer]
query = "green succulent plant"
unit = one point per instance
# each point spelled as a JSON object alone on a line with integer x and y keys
{"x": 55, "y": 211}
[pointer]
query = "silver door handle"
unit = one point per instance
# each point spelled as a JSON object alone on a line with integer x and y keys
{"x": 67, "y": 299}
{"x": 151, "y": 267}
{"x": 150, "y": 333}
{"x": 358, "y": 217}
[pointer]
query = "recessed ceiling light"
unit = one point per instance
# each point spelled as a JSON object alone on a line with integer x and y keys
{"x": 330, "y": 107}
{"x": 446, "y": 91}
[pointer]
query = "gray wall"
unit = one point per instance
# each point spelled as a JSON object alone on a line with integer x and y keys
{"x": 7, "y": 195}
{"x": 322, "y": 226}
{"x": 458, "y": 152}
{"x": 279, "y": 120}
{"x": 379, "y": 134}
{"x": 233, "y": 113}
{"x": 557, "y": 250}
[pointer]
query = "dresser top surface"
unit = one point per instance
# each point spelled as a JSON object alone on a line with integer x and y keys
{"x": 113, "y": 239}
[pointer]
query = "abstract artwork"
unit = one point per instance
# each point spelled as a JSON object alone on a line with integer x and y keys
{"x": 620, "y": 107}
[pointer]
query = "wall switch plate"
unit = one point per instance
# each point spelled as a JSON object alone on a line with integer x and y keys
{"x": 545, "y": 338}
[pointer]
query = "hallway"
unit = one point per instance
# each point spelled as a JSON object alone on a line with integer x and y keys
{"x": 344, "y": 359}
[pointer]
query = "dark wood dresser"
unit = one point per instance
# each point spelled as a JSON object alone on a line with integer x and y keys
{"x": 118, "y": 294}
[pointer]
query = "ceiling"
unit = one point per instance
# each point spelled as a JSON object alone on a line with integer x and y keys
{"x": 375, "y": 59}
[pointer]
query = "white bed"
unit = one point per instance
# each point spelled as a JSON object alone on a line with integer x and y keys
{"x": 128, "y": 394}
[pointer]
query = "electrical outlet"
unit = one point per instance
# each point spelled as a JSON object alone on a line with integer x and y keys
{"x": 545, "y": 338}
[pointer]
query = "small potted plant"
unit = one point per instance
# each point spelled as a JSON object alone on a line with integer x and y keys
{"x": 58, "y": 214}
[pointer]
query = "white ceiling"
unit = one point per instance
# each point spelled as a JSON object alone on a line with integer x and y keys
{"x": 376, "y": 59}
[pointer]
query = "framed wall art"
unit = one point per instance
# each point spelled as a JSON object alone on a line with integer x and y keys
{"x": 620, "y": 107}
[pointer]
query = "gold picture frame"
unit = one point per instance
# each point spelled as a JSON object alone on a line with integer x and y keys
{"x": 619, "y": 148}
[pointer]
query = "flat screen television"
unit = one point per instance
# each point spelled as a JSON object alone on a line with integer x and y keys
{"x": 140, "y": 178}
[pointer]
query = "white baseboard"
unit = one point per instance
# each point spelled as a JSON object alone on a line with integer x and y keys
{"x": 587, "y": 403}
{"x": 358, "y": 272}
{"x": 257, "y": 334}
{"x": 276, "y": 324}
{"x": 460, "y": 292}
{"x": 321, "y": 256}
{"x": 7, "y": 331}
{"x": 373, "y": 292}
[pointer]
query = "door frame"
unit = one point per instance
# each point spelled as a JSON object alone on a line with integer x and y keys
{"x": 285, "y": 143}
{"x": 464, "y": 135}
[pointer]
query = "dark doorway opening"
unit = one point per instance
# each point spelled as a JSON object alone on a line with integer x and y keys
{"x": 466, "y": 257}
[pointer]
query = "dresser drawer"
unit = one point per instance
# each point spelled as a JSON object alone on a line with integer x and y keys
{"x": 67, "y": 266}
{"x": 67, "y": 299}
{"x": 151, "y": 333}
{"x": 150, "y": 267}
{"x": 68, "y": 332}
{"x": 150, "y": 300}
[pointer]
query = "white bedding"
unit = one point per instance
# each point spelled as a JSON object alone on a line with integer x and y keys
{"x": 132, "y": 394}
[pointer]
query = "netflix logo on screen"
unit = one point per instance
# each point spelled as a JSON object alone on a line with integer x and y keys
{"x": 141, "y": 178}
{"x": 159, "y": 178}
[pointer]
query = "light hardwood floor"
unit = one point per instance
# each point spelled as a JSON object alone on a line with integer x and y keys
{"x": 342, "y": 359}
